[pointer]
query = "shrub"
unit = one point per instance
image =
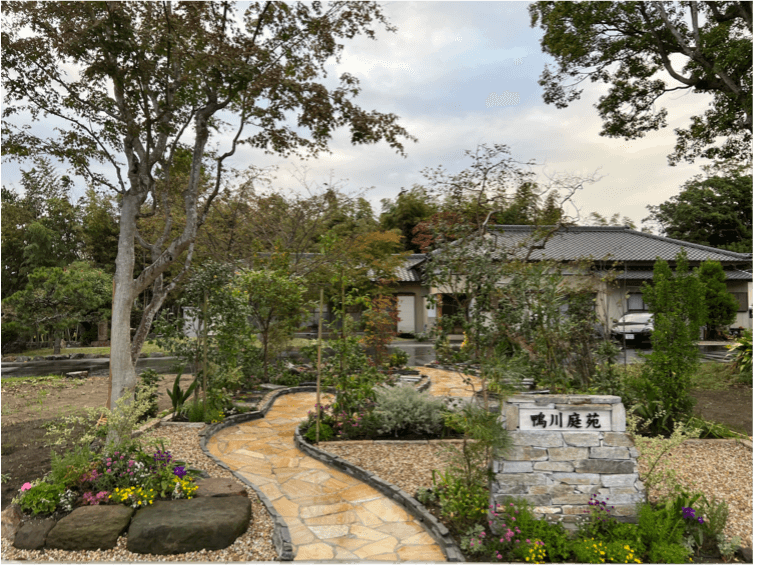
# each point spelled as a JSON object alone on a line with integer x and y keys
{"x": 403, "y": 410}
{"x": 325, "y": 433}
{"x": 668, "y": 553}
{"x": 69, "y": 467}
{"x": 398, "y": 358}
{"x": 40, "y": 497}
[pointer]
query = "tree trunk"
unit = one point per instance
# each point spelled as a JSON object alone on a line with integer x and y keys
{"x": 56, "y": 343}
{"x": 123, "y": 375}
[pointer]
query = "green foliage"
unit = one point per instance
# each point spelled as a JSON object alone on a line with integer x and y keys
{"x": 587, "y": 39}
{"x": 403, "y": 410}
{"x": 41, "y": 499}
{"x": 121, "y": 422}
{"x": 149, "y": 379}
{"x": 742, "y": 348}
{"x": 398, "y": 358}
{"x": 720, "y": 304}
{"x": 177, "y": 395}
{"x": 55, "y": 299}
{"x": 483, "y": 439}
{"x": 461, "y": 503}
{"x": 675, "y": 301}
{"x": 668, "y": 553}
{"x": 715, "y": 211}
{"x": 411, "y": 207}
{"x": 325, "y": 433}
{"x": 68, "y": 467}
{"x": 593, "y": 551}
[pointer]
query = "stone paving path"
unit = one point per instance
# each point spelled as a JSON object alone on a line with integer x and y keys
{"x": 331, "y": 516}
{"x": 450, "y": 383}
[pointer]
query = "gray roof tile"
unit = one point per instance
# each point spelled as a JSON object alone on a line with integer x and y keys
{"x": 611, "y": 243}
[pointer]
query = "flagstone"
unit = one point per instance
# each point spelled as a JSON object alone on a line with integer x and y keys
{"x": 323, "y": 499}
{"x": 344, "y": 518}
{"x": 270, "y": 490}
{"x": 402, "y": 530}
{"x": 286, "y": 507}
{"x": 367, "y": 533}
{"x": 321, "y": 510}
{"x": 347, "y": 542}
{"x": 317, "y": 477}
{"x": 418, "y": 553}
{"x": 257, "y": 480}
{"x": 342, "y": 554}
{"x": 318, "y": 551}
{"x": 367, "y": 518}
{"x": 330, "y": 531}
{"x": 391, "y": 557}
{"x": 240, "y": 450}
{"x": 420, "y": 538}
{"x": 359, "y": 493}
{"x": 383, "y": 546}
{"x": 387, "y": 510}
{"x": 301, "y": 534}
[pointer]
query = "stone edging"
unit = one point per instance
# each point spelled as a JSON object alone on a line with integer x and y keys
{"x": 410, "y": 504}
{"x": 282, "y": 540}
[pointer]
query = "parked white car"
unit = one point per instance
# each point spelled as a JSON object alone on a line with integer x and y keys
{"x": 634, "y": 327}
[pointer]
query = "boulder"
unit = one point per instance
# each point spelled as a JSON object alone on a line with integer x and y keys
{"x": 10, "y": 521}
{"x": 33, "y": 534}
{"x": 90, "y": 528}
{"x": 219, "y": 487}
{"x": 187, "y": 525}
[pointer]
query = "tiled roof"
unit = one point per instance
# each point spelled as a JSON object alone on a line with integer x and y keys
{"x": 611, "y": 243}
{"x": 647, "y": 275}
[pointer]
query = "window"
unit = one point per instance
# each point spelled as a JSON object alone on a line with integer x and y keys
{"x": 742, "y": 299}
{"x": 636, "y": 303}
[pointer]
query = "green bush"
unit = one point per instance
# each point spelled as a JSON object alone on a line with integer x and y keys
{"x": 668, "y": 553}
{"x": 403, "y": 410}
{"x": 41, "y": 499}
{"x": 398, "y": 358}
{"x": 325, "y": 433}
{"x": 67, "y": 468}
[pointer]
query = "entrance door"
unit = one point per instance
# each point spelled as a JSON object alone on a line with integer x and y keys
{"x": 406, "y": 308}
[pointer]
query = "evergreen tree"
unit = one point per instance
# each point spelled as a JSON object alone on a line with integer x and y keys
{"x": 720, "y": 304}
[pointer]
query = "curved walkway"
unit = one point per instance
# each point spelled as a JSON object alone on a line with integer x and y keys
{"x": 331, "y": 516}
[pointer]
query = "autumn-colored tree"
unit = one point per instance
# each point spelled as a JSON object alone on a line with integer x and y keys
{"x": 132, "y": 83}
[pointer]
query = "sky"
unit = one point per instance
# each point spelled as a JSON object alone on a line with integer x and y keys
{"x": 460, "y": 74}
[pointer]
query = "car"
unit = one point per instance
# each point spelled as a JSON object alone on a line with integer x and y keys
{"x": 634, "y": 327}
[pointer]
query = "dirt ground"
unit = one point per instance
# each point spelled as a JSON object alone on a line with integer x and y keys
{"x": 27, "y": 408}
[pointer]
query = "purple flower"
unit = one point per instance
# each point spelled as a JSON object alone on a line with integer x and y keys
{"x": 688, "y": 512}
{"x": 700, "y": 520}
{"x": 179, "y": 471}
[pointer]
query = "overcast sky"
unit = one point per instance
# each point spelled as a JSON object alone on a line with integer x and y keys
{"x": 459, "y": 74}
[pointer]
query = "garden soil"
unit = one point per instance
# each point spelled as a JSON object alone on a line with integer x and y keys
{"x": 27, "y": 408}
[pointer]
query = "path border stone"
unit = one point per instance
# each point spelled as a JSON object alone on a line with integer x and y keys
{"x": 440, "y": 533}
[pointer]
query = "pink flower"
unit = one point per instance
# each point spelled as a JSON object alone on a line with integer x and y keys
{"x": 26, "y": 486}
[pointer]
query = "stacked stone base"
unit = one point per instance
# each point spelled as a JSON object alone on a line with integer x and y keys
{"x": 558, "y": 471}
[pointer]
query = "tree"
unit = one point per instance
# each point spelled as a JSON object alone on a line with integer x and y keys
{"x": 41, "y": 227}
{"x": 411, "y": 207}
{"x": 676, "y": 302}
{"x": 130, "y": 84}
{"x": 715, "y": 211}
{"x": 275, "y": 303}
{"x": 721, "y": 307}
{"x": 634, "y": 48}
{"x": 59, "y": 298}
{"x": 598, "y": 220}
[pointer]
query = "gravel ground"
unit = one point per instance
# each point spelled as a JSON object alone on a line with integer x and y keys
{"x": 256, "y": 545}
{"x": 719, "y": 469}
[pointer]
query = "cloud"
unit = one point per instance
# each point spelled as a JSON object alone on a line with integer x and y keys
{"x": 507, "y": 99}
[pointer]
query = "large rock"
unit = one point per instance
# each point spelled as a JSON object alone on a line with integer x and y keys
{"x": 187, "y": 525}
{"x": 33, "y": 534}
{"x": 219, "y": 487}
{"x": 90, "y": 528}
{"x": 10, "y": 521}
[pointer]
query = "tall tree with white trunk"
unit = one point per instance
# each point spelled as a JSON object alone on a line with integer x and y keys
{"x": 117, "y": 89}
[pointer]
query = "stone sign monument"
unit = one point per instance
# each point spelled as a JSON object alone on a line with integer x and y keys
{"x": 565, "y": 449}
